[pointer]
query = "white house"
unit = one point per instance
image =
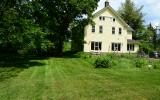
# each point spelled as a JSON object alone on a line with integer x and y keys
{"x": 109, "y": 33}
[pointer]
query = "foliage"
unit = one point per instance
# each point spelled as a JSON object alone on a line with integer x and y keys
{"x": 133, "y": 16}
{"x": 103, "y": 63}
{"x": 78, "y": 35}
{"x": 148, "y": 39}
{"x": 60, "y": 14}
{"x": 41, "y": 25}
{"x": 139, "y": 63}
{"x": 20, "y": 34}
{"x": 156, "y": 64}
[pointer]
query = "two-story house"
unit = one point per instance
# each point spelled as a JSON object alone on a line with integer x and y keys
{"x": 109, "y": 33}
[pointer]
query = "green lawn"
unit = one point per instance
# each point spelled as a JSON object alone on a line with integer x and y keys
{"x": 76, "y": 79}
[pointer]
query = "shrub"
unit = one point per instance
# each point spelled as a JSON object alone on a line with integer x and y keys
{"x": 156, "y": 65}
{"x": 103, "y": 63}
{"x": 141, "y": 63}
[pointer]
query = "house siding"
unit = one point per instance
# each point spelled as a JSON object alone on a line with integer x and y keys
{"x": 107, "y": 38}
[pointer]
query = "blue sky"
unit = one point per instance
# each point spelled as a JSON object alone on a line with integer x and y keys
{"x": 151, "y": 9}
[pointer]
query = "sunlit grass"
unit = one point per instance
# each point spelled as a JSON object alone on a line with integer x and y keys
{"x": 77, "y": 79}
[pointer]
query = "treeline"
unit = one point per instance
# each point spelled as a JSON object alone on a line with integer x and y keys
{"x": 42, "y": 26}
{"x": 145, "y": 34}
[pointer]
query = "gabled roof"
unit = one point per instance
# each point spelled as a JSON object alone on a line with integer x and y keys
{"x": 116, "y": 15}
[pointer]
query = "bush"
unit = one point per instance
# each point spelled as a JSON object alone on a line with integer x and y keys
{"x": 156, "y": 65}
{"x": 103, "y": 63}
{"x": 141, "y": 63}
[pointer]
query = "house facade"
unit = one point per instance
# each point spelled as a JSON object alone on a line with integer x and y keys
{"x": 109, "y": 33}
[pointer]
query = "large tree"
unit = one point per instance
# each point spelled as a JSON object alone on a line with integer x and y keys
{"x": 133, "y": 16}
{"x": 18, "y": 31}
{"x": 60, "y": 14}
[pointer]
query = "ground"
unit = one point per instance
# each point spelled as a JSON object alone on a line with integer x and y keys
{"x": 72, "y": 78}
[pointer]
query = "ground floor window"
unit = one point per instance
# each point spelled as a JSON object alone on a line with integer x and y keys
{"x": 96, "y": 45}
{"x": 130, "y": 47}
{"x": 116, "y": 46}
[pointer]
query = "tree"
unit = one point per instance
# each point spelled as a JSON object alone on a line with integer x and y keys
{"x": 19, "y": 32}
{"x": 59, "y": 14}
{"x": 133, "y": 16}
{"x": 154, "y": 35}
{"x": 148, "y": 39}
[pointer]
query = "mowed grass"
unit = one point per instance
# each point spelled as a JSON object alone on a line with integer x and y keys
{"x": 76, "y": 79}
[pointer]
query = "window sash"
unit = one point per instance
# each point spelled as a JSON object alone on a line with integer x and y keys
{"x": 96, "y": 46}
{"x": 130, "y": 47}
{"x": 113, "y": 30}
{"x": 93, "y": 28}
{"x": 100, "y": 29}
{"x": 114, "y": 19}
{"x": 116, "y": 46}
{"x": 120, "y": 30}
{"x": 100, "y": 18}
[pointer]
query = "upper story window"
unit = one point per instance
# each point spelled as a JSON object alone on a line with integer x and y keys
{"x": 120, "y": 31}
{"x": 100, "y": 29}
{"x": 114, "y": 19}
{"x": 113, "y": 30}
{"x": 96, "y": 45}
{"x": 93, "y": 28}
{"x": 102, "y": 18}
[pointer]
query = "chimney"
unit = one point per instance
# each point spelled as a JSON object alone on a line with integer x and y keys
{"x": 106, "y": 3}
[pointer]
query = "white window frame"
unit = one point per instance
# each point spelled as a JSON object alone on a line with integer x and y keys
{"x": 96, "y": 45}
{"x": 93, "y": 29}
{"x": 120, "y": 31}
{"x": 114, "y": 20}
{"x": 130, "y": 47}
{"x": 113, "y": 30}
{"x": 101, "y": 29}
{"x": 116, "y": 46}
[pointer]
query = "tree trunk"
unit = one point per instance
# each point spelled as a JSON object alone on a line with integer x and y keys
{"x": 60, "y": 47}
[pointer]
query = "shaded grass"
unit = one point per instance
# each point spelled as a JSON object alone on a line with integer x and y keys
{"x": 77, "y": 79}
{"x": 11, "y": 66}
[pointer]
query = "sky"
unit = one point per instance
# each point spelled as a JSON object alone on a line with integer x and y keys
{"x": 151, "y": 9}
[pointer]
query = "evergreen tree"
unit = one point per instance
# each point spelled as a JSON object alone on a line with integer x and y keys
{"x": 133, "y": 16}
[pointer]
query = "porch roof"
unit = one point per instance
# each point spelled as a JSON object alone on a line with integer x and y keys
{"x": 132, "y": 41}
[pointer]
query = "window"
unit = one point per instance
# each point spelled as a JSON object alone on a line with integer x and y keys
{"x": 93, "y": 28}
{"x": 120, "y": 31}
{"x": 116, "y": 46}
{"x": 103, "y": 18}
{"x": 96, "y": 45}
{"x": 114, "y": 19}
{"x": 101, "y": 29}
{"x": 100, "y": 18}
{"x": 130, "y": 47}
{"x": 113, "y": 30}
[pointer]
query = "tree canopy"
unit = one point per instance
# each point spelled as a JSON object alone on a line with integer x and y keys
{"x": 133, "y": 16}
{"x": 41, "y": 24}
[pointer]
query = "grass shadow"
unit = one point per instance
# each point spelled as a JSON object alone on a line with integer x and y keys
{"x": 11, "y": 66}
{"x": 69, "y": 54}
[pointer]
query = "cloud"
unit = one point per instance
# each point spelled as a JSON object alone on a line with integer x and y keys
{"x": 151, "y": 9}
